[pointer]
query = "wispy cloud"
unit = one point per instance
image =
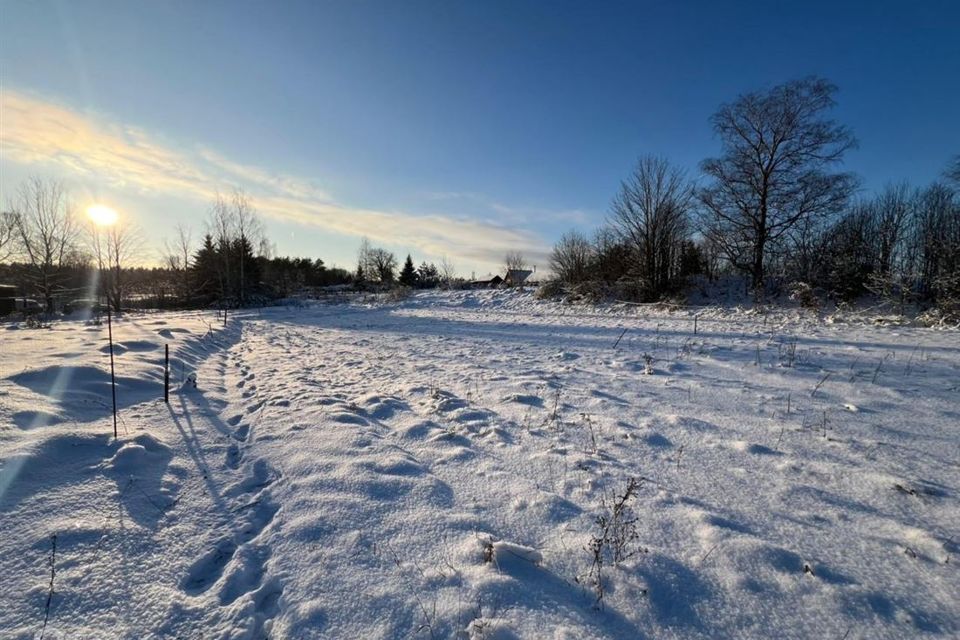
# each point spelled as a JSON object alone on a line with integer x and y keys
{"x": 517, "y": 214}
{"x": 36, "y": 131}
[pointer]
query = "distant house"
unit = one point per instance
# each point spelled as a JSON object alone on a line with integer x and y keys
{"x": 516, "y": 277}
{"x": 490, "y": 283}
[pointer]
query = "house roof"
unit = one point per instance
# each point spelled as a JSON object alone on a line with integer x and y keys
{"x": 518, "y": 275}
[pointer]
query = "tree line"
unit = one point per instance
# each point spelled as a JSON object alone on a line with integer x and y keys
{"x": 377, "y": 267}
{"x": 776, "y": 207}
{"x": 58, "y": 257}
{"x": 52, "y": 254}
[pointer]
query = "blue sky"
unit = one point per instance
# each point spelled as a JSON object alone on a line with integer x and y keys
{"x": 459, "y": 128}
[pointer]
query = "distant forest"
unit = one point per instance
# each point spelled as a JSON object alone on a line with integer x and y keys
{"x": 52, "y": 256}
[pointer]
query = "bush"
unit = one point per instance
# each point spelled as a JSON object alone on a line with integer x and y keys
{"x": 804, "y": 295}
{"x": 549, "y": 289}
{"x": 398, "y": 294}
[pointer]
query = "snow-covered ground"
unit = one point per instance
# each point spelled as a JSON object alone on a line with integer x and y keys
{"x": 435, "y": 468}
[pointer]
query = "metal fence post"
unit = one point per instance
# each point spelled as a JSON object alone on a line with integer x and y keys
{"x": 166, "y": 373}
{"x": 113, "y": 380}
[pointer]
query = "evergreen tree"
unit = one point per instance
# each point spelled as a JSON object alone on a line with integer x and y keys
{"x": 408, "y": 276}
{"x": 427, "y": 275}
{"x": 204, "y": 271}
{"x": 248, "y": 279}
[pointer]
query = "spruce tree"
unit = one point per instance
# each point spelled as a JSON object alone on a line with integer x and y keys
{"x": 427, "y": 275}
{"x": 408, "y": 277}
{"x": 204, "y": 270}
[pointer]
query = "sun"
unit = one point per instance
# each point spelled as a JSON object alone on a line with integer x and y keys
{"x": 101, "y": 215}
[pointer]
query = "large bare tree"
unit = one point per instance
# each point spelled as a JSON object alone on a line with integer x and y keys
{"x": 383, "y": 264}
{"x": 47, "y": 230}
{"x": 651, "y": 216}
{"x": 775, "y": 169}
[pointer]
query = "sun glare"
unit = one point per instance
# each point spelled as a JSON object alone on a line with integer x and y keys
{"x": 101, "y": 216}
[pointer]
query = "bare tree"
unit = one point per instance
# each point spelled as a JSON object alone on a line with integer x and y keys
{"x": 514, "y": 261}
{"x": 953, "y": 171}
{"x": 891, "y": 214}
{"x": 47, "y": 229}
{"x": 774, "y": 170}
{"x": 249, "y": 232}
{"x": 448, "y": 272}
{"x": 847, "y": 253}
{"x": 651, "y": 216}
{"x": 122, "y": 244}
{"x": 365, "y": 267}
{"x": 178, "y": 254}
{"x": 383, "y": 264}
{"x": 267, "y": 249}
{"x": 8, "y": 234}
{"x": 222, "y": 227}
{"x": 570, "y": 258}
{"x": 611, "y": 255}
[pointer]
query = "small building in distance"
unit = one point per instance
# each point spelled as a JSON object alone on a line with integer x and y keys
{"x": 516, "y": 277}
{"x": 489, "y": 283}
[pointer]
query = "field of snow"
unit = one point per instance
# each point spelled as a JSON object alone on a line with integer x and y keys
{"x": 435, "y": 468}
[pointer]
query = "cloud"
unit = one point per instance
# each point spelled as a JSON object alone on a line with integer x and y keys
{"x": 35, "y": 131}
{"x": 517, "y": 214}
{"x": 289, "y": 185}
{"x": 38, "y": 132}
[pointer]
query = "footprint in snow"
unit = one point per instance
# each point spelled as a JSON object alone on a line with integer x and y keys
{"x": 247, "y": 574}
{"x": 234, "y": 456}
{"x": 206, "y": 571}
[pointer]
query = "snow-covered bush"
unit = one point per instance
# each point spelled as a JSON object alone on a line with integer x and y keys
{"x": 804, "y": 295}
{"x": 549, "y": 289}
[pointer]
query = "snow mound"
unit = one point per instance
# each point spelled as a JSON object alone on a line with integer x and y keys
{"x": 135, "y": 456}
{"x": 510, "y": 557}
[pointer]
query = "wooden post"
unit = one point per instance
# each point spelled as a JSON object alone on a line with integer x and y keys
{"x": 113, "y": 379}
{"x": 695, "y": 318}
{"x": 166, "y": 373}
{"x": 224, "y": 316}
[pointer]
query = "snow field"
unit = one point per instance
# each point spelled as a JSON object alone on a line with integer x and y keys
{"x": 434, "y": 468}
